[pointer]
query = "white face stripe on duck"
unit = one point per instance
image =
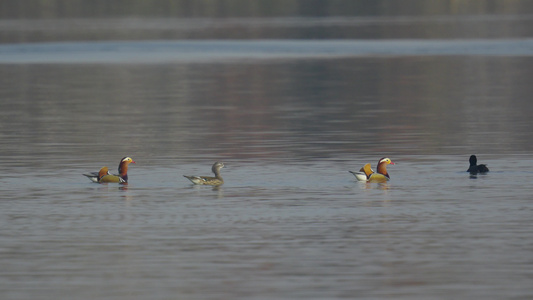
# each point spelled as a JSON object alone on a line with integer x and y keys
{"x": 126, "y": 159}
{"x": 385, "y": 160}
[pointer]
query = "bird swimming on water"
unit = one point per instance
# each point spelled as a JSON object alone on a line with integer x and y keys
{"x": 474, "y": 168}
{"x": 104, "y": 176}
{"x": 367, "y": 174}
{"x": 207, "y": 180}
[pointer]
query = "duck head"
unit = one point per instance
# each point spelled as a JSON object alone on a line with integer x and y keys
{"x": 216, "y": 167}
{"x": 123, "y": 166}
{"x": 382, "y": 165}
{"x": 473, "y": 160}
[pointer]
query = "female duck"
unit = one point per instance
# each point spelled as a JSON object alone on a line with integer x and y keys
{"x": 474, "y": 168}
{"x": 368, "y": 175}
{"x": 206, "y": 180}
{"x": 104, "y": 176}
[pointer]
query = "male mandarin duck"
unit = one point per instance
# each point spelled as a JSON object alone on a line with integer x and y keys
{"x": 205, "y": 180}
{"x": 104, "y": 176}
{"x": 367, "y": 174}
{"x": 475, "y": 168}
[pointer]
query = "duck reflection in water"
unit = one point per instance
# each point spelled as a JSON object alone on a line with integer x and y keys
{"x": 384, "y": 186}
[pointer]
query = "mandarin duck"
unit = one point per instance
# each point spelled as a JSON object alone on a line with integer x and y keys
{"x": 367, "y": 174}
{"x": 104, "y": 176}
{"x": 474, "y": 168}
{"x": 206, "y": 180}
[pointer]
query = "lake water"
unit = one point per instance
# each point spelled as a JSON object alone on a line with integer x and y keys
{"x": 289, "y": 118}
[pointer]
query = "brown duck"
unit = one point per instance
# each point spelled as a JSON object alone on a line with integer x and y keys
{"x": 206, "y": 180}
{"x": 104, "y": 176}
{"x": 368, "y": 175}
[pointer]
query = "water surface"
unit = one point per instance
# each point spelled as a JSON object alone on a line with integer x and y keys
{"x": 290, "y": 222}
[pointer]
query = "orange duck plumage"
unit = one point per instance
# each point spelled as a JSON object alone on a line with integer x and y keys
{"x": 367, "y": 174}
{"x": 104, "y": 176}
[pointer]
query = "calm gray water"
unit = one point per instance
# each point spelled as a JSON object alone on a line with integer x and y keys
{"x": 289, "y": 118}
